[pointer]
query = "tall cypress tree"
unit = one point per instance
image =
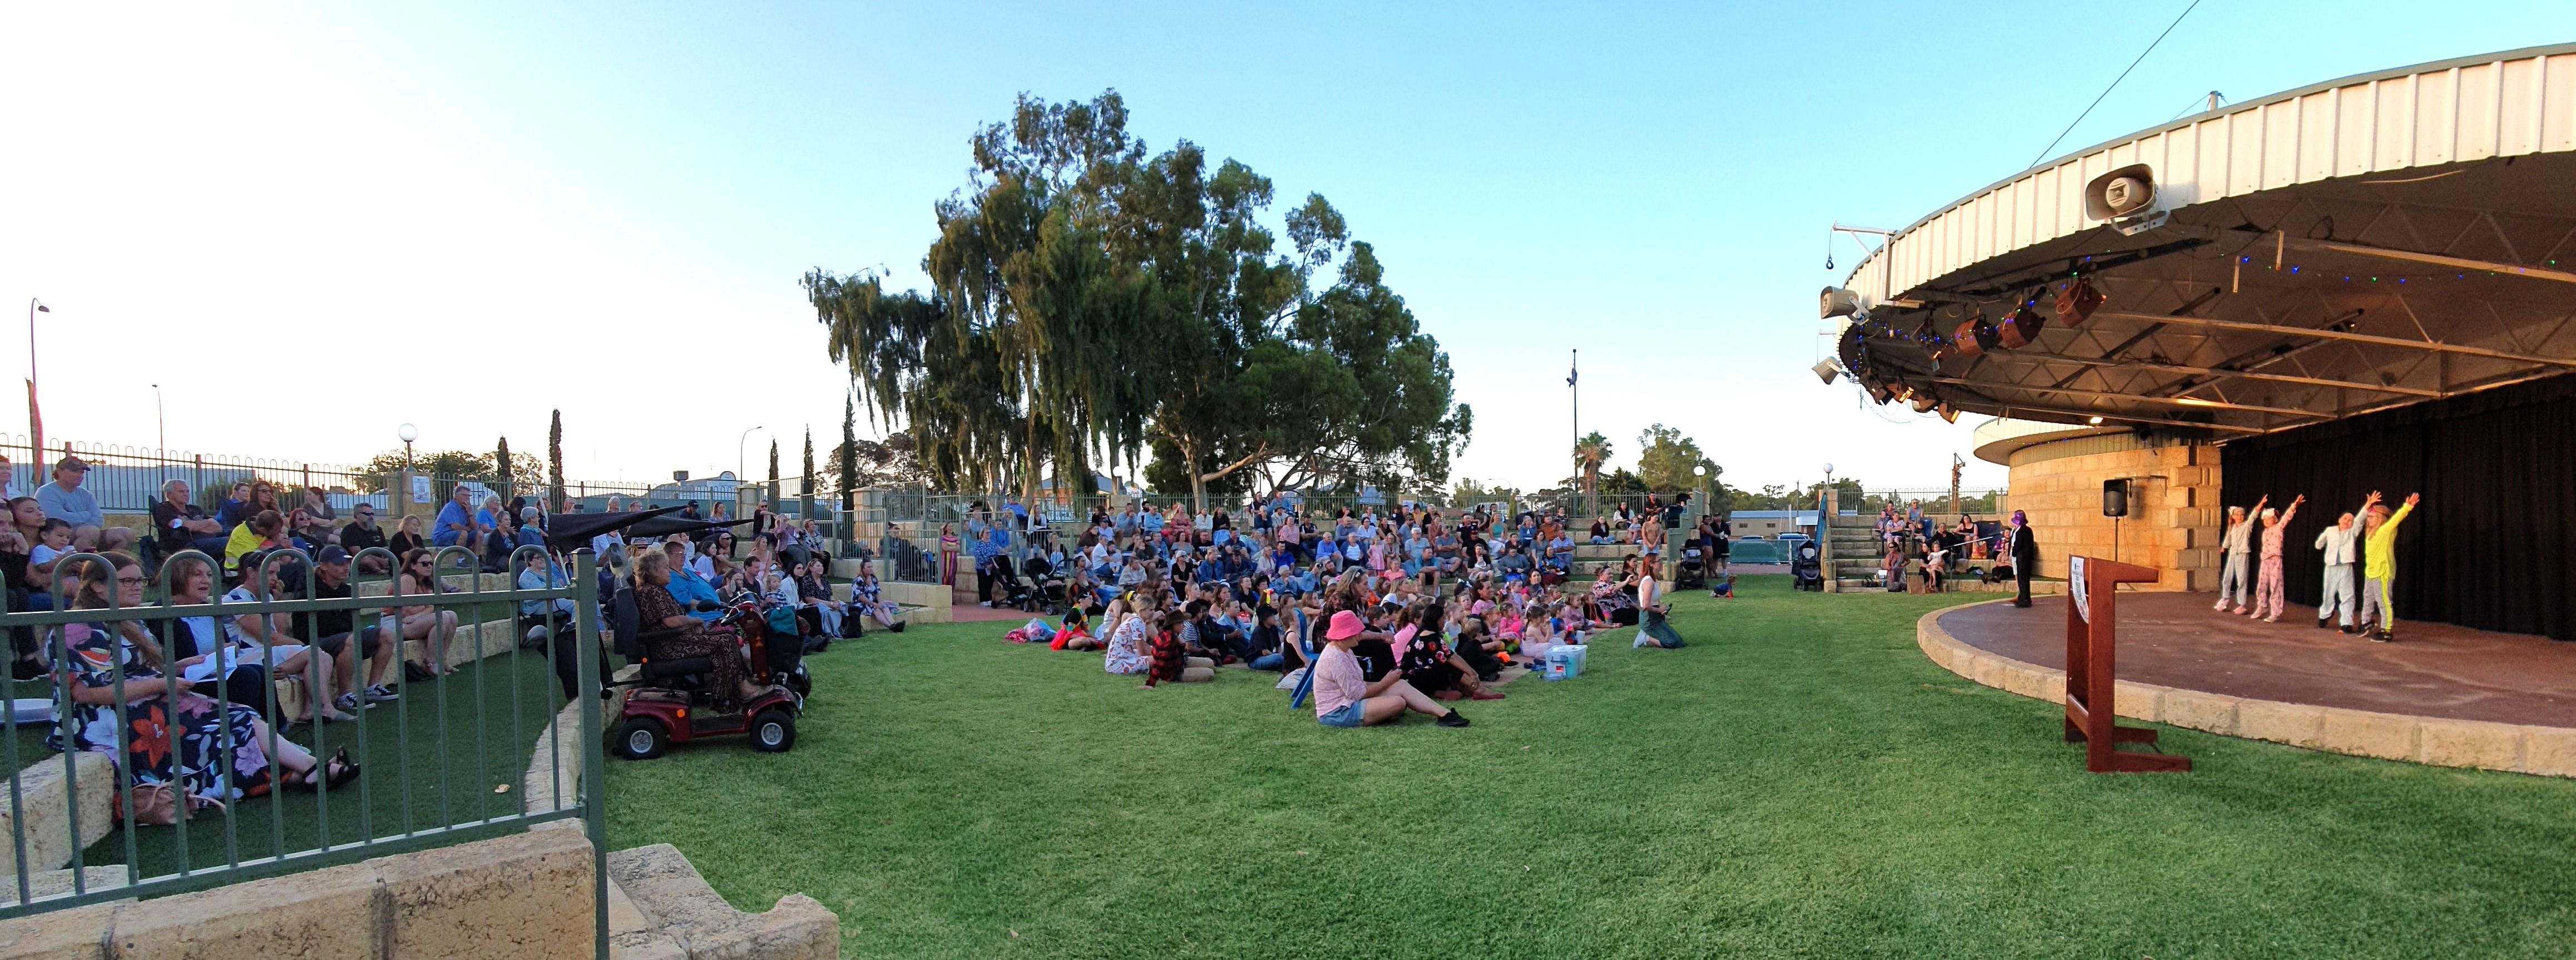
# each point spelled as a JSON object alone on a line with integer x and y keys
{"x": 554, "y": 465}
{"x": 849, "y": 452}
{"x": 501, "y": 468}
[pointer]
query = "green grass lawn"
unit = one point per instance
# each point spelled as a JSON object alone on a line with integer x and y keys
{"x": 429, "y": 741}
{"x": 1800, "y": 781}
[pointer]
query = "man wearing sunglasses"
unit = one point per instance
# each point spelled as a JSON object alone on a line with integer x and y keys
{"x": 362, "y": 533}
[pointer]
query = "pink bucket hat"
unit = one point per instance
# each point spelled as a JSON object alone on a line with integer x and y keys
{"x": 1345, "y": 625}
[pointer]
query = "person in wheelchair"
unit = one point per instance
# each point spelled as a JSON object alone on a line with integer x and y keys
{"x": 670, "y": 633}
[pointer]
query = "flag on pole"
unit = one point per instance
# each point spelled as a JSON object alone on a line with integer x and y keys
{"x": 1569, "y": 376}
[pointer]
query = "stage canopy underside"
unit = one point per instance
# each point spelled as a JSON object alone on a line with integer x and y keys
{"x": 2317, "y": 262}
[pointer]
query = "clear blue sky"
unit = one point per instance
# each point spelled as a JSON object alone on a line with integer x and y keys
{"x": 446, "y": 195}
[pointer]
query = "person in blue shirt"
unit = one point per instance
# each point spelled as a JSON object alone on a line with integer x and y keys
{"x": 455, "y": 525}
{"x": 1560, "y": 553}
{"x": 687, "y": 587}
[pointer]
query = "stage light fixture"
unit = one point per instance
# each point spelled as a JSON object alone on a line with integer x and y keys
{"x": 1949, "y": 414}
{"x": 1880, "y": 394}
{"x": 2021, "y": 329}
{"x": 1976, "y": 336}
{"x": 1836, "y": 302}
{"x": 1826, "y": 371}
{"x": 2077, "y": 302}
{"x": 1924, "y": 402}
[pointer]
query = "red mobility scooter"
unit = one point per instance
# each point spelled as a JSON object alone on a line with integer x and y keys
{"x": 672, "y": 701}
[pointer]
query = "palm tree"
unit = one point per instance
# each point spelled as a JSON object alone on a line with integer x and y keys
{"x": 1589, "y": 454}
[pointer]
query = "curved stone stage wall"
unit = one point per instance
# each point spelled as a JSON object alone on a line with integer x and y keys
{"x": 2487, "y": 745}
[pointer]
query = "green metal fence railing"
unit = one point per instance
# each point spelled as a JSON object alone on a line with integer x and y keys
{"x": 400, "y": 803}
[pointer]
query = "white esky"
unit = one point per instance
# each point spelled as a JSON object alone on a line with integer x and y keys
{"x": 309, "y": 224}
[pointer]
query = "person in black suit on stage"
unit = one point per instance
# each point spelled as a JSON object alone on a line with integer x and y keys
{"x": 2025, "y": 555}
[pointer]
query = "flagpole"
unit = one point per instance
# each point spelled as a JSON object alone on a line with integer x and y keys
{"x": 1574, "y": 373}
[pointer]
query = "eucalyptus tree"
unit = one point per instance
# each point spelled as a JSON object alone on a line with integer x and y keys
{"x": 1087, "y": 296}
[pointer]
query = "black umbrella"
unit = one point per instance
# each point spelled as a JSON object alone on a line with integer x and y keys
{"x": 661, "y": 527}
{"x": 572, "y": 530}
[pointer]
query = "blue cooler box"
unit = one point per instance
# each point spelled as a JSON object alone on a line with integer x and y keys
{"x": 1565, "y": 662}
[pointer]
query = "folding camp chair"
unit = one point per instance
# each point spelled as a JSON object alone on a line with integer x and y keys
{"x": 1305, "y": 681}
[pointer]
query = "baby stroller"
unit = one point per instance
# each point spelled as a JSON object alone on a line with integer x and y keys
{"x": 1692, "y": 574}
{"x": 1806, "y": 568}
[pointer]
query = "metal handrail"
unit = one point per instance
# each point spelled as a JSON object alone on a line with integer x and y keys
{"x": 580, "y": 588}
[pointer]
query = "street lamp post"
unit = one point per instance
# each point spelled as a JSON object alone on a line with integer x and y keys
{"x": 739, "y": 464}
{"x": 160, "y": 424}
{"x": 408, "y": 433}
{"x": 35, "y": 419}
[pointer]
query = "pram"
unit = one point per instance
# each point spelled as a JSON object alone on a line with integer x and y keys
{"x": 1806, "y": 568}
{"x": 1691, "y": 574}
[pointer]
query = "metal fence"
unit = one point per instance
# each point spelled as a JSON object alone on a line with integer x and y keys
{"x": 121, "y": 635}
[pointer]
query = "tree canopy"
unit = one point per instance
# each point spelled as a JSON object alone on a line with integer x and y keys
{"x": 1665, "y": 460}
{"x": 1088, "y": 297}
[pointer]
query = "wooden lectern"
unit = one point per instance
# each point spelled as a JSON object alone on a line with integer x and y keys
{"x": 2092, "y": 605}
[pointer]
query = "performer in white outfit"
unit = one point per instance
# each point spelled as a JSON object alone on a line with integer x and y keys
{"x": 2342, "y": 546}
{"x": 2236, "y": 577}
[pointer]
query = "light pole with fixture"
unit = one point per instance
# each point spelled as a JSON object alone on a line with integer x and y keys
{"x": 35, "y": 419}
{"x": 408, "y": 433}
{"x": 740, "y": 469}
{"x": 160, "y": 423}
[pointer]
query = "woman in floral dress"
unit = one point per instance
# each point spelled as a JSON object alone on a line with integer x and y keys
{"x": 1128, "y": 640}
{"x": 199, "y": 746}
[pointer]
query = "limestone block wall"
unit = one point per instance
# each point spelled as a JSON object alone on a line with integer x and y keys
{"x": 2174, "y": 513}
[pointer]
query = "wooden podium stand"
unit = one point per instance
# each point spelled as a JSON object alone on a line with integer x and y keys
{"x": 2092, "y": 615}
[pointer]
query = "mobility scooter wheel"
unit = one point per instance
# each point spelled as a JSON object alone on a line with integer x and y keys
{"x": 641, "y": 738}
{"x": 773, "y": 731}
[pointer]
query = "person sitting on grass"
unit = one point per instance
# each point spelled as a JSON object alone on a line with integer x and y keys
{"x": 1128, "y": 638}
{"x": 1170, "y": 661}
{"x": 1076, "y": 634}
{"x": 1422, "y": 654}
{"x": 1481, "y": 651}
{"x": 1344, "y": 697}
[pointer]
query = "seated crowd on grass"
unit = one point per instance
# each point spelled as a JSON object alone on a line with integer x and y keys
{"x": 1402, "y": 611}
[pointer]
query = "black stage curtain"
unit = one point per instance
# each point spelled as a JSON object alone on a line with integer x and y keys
{"x": 2493, "y": 545}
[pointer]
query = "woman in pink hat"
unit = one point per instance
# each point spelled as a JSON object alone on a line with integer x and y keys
{"x": 1345, "y": 698}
